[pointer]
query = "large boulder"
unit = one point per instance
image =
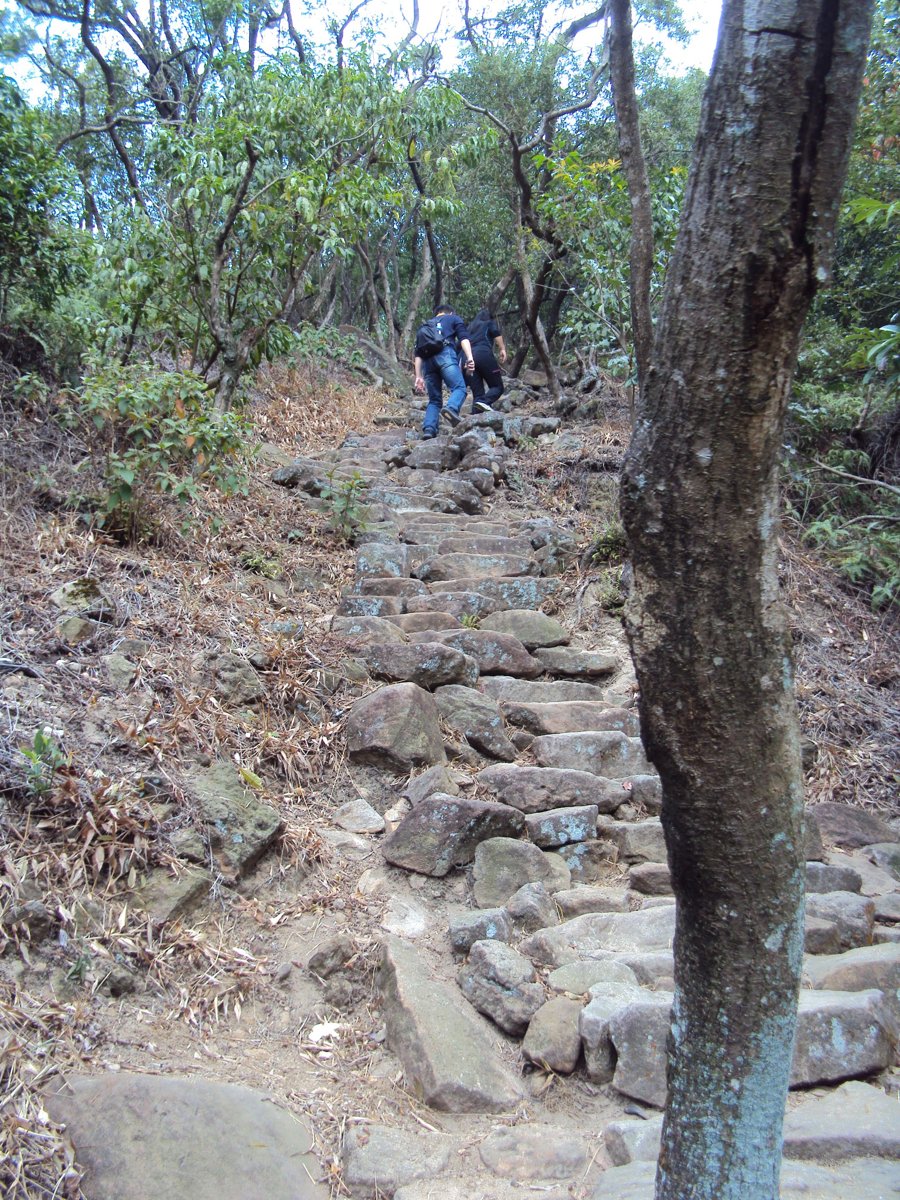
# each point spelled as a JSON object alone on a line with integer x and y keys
{"x": 443, "y": 832}
{"x": 397, "y": 727}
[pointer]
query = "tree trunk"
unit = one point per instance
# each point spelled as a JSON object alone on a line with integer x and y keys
{"x": 621, "y": 66}
{"x": 709, "y": 638}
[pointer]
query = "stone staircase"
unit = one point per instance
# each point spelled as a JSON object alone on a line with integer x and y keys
{"x": 526, "y": 909}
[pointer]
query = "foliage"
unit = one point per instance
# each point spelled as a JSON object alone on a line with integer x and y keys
{"x": 155, "y": 432}
{"x": 43, "y": 758}
{"x": 344, "y": 503}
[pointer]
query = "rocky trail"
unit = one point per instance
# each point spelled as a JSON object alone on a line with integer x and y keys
{"x": 474, "y": 989}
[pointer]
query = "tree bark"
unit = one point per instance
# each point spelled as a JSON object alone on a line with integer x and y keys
{"x": 621, "y": 69}
{"x": 707, "y": 631}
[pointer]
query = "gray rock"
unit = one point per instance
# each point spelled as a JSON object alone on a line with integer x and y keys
{"x": 553, "y": 1041}
{"x": 443, "y": 832}
{"x": 539, "y": 789}
{"x": 366, "y": 629}
{"x": 531, "y": 907}
{"x": 165, "y": 897}
{"x": 434, "y": 779}
{"x": 854, "y": 1121}
{"x": 448, "y": 1057}
{"x": 562, "y": 825}
{"x": 76, "y": 631}
{"x": 845, "y": 825}
{"x": 579, "y": 977}
{"x": 87, "y": 598}
{"x": 502, "y": 984}
{"x": 820, "y": 937}
{"x": 853, "y": 915}
{"x": 822, "y": 877}
{"x": 572, "y": 716}
{"x": 523, "y": 591}
{"x": 358, "y": 816}
{"x": 428, "y": 664}
{"x": 840, "y": 1035}
{"x": 633, "y": 1141}
{"x": 531, "y": 627}
{"x": 638, "y": 1033}
{"x": 422, "y": 622}
{"x": 887, "y": 908}
{"x": 859, "y": 970}
{"x": 577, "y": 901}
{"x": 369, "y": 606}
{"x": 521, "y": 691}
{"x": 636, "y": 841}
{"x": 588, "y": 862}
{"x": 239, "y": 827}
{"x": 605, "y": 752}
{"x": 391, "y": 585}
{"x": 397, "y": 727}
{"x": 383, "y": 558}
{"x": 495, "y": 653}
{"x": 887, "y": 856}
{"x": 477, "y": 718}
{"x": 378, "y": 1159}
{"x": 799, "y": 1181}
{"x": 146, "y": 1135}
{"x": 503, "y": 865}
{"x": 121, "y": 670}
{"x": 577, "y": 664}
{"x": 529, "y": 1152}
{"x": 606, "y": 999}
{"x": 650, "y": 879}
{"x": 458, "y": 604}
{"x": 595, "y": 933}
{"x": 445, "y": 567}
{"x": 233, "y": 679}
{"x": 484, "y": 924}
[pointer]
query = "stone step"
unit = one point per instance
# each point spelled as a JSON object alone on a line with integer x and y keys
{"x": 573, "y": 716}
{"x": 525, "y": 591}
{"x": 495, "y": 653}
{"x": 445, "y": 567}
{"x": 538, "y": 789}
{"x": 522, "y": 691}
{"x": 572, "y": 663}
{"x": 484, "y": 544}
{"x": 450, "y": 1057}
{"x": 608, "y": 753}
{"x": 461, "y": 604}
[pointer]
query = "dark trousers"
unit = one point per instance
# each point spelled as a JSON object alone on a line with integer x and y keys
{"x": 486, "y": 381}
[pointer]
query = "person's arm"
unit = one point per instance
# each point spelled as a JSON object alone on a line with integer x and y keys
{"x": 419, "y": 385}
{"x": 469, "y": 362}
{"x": 501, "y": 348}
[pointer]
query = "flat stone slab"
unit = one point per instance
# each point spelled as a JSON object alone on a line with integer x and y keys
{"x": 607, "y": 753}
{"x": 495, "y": 653}
{"x": 540, "y": 789}
{"x": 592, "y": 935}
{"x": 575, "y": 902}
{"x": 577, "y": 664}
{"x": 845, "y": 825}
{"x": 854, "y": 1121}
{"x": 531, "y": 1152}
{"x": 444, "y": 567}
{"x": 148, "y": 1135}
{"x": 503, "y": 687}
{"x": 443, "y": 832}
{"x": 378, "y": 1159}
{"x": 458, "y": 604}
{"x": 532, "y": 627}
{"x": 858, "y": 970}
{"x": 365, "y": 629}
{"x": 636, "y": 841}
{"x": 450, "y": 1059}
{"x": 238, "y": 825}
{"x": 428, "y": 664}
{"x": 572, "y": 716}
{"x": 872, "y": 1178}
{"x": 524, "y": 591}
{"x": 485, "y": 543}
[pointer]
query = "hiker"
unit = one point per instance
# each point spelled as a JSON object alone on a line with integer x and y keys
{"x": 484, "y": 333}
{"x": 438, "y": 344}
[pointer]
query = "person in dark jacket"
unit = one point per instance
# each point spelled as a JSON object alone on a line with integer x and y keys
{"x": 444, "y": 367}
{"x": 486, "y": 381}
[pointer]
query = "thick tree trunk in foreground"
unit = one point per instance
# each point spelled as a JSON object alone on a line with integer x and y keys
{"x": 700, "y": 505}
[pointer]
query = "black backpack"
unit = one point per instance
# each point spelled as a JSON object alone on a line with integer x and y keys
{"x": 429, "y": 339}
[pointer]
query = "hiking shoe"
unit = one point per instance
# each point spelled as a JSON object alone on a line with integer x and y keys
{"x": 427, "y": 435}
{"x": 481, "y": 406}
{"x": 452, "y": 417}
